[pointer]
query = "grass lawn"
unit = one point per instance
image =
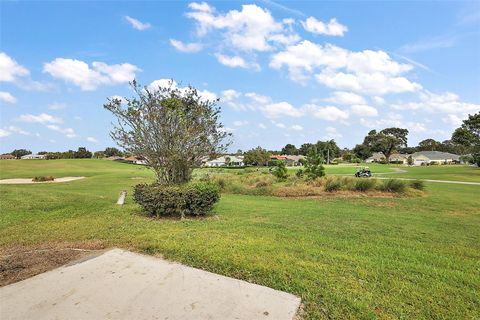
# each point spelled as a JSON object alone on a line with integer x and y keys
{"x": 346, "y": 258}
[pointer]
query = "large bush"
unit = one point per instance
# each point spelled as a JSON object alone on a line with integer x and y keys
{"x": 193, "y": 199}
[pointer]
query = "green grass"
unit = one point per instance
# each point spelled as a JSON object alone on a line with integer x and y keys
{"x": 443, "y": 172}
{"x": 349, "y": 258}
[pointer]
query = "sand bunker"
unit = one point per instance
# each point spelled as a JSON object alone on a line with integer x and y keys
{"x": 29, "y": 181}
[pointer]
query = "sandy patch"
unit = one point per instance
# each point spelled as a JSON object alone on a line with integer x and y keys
{"x": 29, "y": 181}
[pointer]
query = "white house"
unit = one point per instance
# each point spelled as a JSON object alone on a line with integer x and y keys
{"x": 33, "y": 156}
{"x": 437, "y": 157}
{"x": 233, "y": 161}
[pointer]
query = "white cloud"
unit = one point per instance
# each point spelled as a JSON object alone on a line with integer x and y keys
{"x": 92, "y": 139}
{"x": 68, "y": 132}
{"x": 18, "y": 130}
{"x": 240, "y": 123}
{"x": 371, "y": 72}
{"x": 274, "y": 110}
{"x": 332, "y": 133}
{"x": 453, "y": 120}
{"x": 395, "y": 120}
{"x": 229, "y": 95}
{"x": 370, "y": 83}
{"x": 236, "y": 62}
{"x": 186, "y": 47}
{"x": 7, "y": 97}
{"x": 258, "y": 98}
{"x": 89, "y": 78}
{"x": 332, "y": 28}
{"x": 251, "y": 29}
{"x": 379, "y": 100}
{"x": 262, "y": 126}
{"x": 137, "y": 24}
{"x": 202, "y": 6}
{"x": 296, "y": 127}
{"x": 4, "y": 133}
{"x": 42, "y": 118}
{"x": 345, "y": 98}
{"x": 10, "y": 70}
{"x": 280, "y": 125}
{"x": 57, "y": 106}
{"x": 447, "y": 102}
{"x": 328, "y": 113}
{"x": 364, "y": 110}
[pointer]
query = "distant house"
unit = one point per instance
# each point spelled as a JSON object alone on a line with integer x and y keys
{"x": 437, "y": 157}
{"x": 399, "y": 158}
{"x": 227, "y": 160}
{"x": 136, "y": 160}
{"x": 33, "y": 156}
{"x": 376, "y": 157}
{"x": 115, "y": 158}
{"x": 288, "y": 159}
{"x": 7, "y": 157}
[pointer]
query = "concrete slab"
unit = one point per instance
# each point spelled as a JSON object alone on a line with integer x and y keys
{"x": 123, "y": 285}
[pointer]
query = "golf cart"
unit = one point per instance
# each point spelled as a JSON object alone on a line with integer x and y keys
{"x": 363, "y": 172}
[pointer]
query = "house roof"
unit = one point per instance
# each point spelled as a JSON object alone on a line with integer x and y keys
{"x": 7, "y": 156}
{"x": 278, "y": 157}
{"x": 436, "y": 155}
{"x": 399, "y": 156}
{"x": 295, "y": 158}
{"x": 223, "y": 159}
{"x": 377, "y": 155}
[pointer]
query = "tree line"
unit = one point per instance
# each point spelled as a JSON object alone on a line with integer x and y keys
{"x": 465, "y": 141}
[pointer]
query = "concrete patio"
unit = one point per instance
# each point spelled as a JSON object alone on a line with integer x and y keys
{"x": 119, "y": 284}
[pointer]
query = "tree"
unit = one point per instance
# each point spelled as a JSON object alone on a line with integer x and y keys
{"x": 82, "y": 153}
{"x": 99, "y": 154}
{"x": 314, "y": 165}
{"x": 362, "y": 151}
{"x": 429, "y": 145}
{"x": 305, "y": 148}
{"x": 227, "y": 160}
{"x": 468, "y": 135}
{"x": 328, "y": 148}
{"x": 18, "y": 153}
{"x": 257, "y": 156}
{"x": 387, "y": 141}
{"x": 172, "y": 129}
{"x": 289, "y": 149}
{"x": 112, "y": 152}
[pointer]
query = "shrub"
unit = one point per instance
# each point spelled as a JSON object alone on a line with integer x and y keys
{"x": 43, "y": 178}
{"x": 333, "y": 185}
{"x": 280, "y": 171}
{"x": 363, "y": 185}
{"x": 191, "y": 199}
{"x": 393, "y": 185}
{"x": 417, "y": 184}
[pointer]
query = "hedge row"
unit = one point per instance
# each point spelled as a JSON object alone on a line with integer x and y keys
{"x": 193, "y": 199}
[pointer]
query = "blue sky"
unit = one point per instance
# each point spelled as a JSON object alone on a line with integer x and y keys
{"x": 285, "y": 72}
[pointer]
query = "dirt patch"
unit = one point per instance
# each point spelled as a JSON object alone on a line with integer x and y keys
{"x": 22, "y": 262}
{"x": 30, "y": 181}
